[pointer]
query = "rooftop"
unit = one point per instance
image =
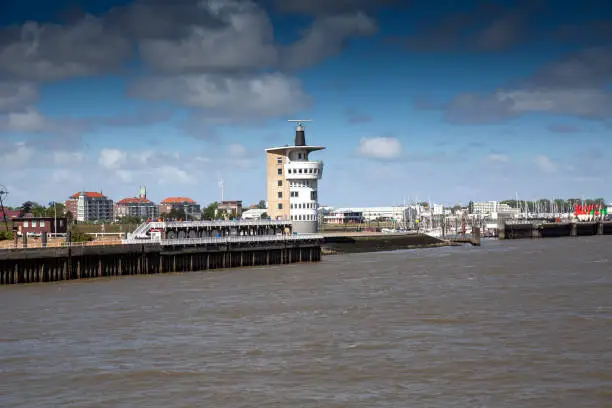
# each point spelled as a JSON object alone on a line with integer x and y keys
{"x": 178, "y": 200}
{"x": 288, "y": 148}
{"x": 89, "y": 194}
{"x": 134, "y": 200}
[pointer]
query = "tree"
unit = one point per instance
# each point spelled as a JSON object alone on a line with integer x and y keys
{"x": 264, "y": 216}
{"x": 471, "y": 207}
{"x": 51, "y": 211}
{"x": 261, "y": 205}
{"x": 210, "y": 212}
{"x": 26, "y": 208}
{"x": 69, "y": 217}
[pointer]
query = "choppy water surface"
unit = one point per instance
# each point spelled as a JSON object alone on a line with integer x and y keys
{"x": 510, "y": 324}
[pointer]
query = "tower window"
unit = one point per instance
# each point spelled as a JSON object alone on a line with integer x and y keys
{"x": 280, "y": 194}
{"x": 299, "y": 155}
{"x": 279, "y": 160}
{"x": 280, "y": 172}
{"x": 280, "y": 206}
{"x": 280, "y": 183}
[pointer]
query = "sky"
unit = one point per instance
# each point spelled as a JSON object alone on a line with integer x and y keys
{"x": 443, "y": 101}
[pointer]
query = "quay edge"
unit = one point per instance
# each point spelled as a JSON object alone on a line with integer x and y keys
{"x": 36, "y": 265}
{"x": 554, "y": 230}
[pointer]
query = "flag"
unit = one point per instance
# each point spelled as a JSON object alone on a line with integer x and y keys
{"x": 51, "y": 203}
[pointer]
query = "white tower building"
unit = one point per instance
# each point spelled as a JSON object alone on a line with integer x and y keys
{"x": 293, "y": 182}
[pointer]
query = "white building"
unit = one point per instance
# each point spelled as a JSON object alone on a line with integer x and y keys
{"x": 254, "y": 214}
{"x": 489, "y": 207}
{"x": 293, "y": 183}
{"x": 90, "y": 206}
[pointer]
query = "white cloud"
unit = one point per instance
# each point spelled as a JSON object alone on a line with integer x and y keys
{"x": 16, "y": 95}
{"x": 112, "y": 159}
{"x": 236, "y": 150}
{"x": 14, "y": 156}
{"x": 380, "y": 147}
{"x": 545, "y": 164}
{"x": 577, "y": 86}
{"x": 65, "y": 158}
{"x": 498, "y": 158}
{"x": 46, "y": 52}
{"x": 30, "y": 121}
{"x": 229, "y": 98}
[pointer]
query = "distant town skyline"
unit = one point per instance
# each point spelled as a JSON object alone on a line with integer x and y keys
{"x": 443, "y": 102}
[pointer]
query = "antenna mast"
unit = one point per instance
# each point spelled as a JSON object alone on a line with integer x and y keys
{"x": 221, "y": 185}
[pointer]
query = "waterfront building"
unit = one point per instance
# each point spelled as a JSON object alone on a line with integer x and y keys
{"x": 88, "y": 206}
{"x": 254, "y": 214}
{"x": 139, "y": 206}
{"x": 489, "y": 207}
{"x": 189, "y": 206}
{"x": 37, "y": 225}
{"x": 230, "y": 207}
{"x": 344, "y": 216}
{"x": 292, "y": 183}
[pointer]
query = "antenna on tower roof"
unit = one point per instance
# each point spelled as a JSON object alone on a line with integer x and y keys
{"x": 300, "y": 138}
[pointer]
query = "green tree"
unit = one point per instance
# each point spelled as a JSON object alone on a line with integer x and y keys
{"x": 471, "y": 207}
{"x": 210, "y": 212}
{"x": 51, "y": 211}
{"x": 26, "y": 208}
{"x": 177, "y": 213}
{"x": 261, "y": 205}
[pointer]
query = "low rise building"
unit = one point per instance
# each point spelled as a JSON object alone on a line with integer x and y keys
{"x": 489, "y": 207}
{"x": 254, "y": 214}
{"x": 231, "y": 207}
{"x": 38, "y": 225}
{"x": 140, "y": 206}
{"x": 344, "y": 216}
{"x": 186, "y": 204}
{"x": 88, "y": 206}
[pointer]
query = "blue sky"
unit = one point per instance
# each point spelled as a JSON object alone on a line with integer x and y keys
{"x": 446, "y": 101}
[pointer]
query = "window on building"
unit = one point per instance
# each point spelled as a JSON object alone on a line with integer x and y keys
{"x": 42, "y": 224}
{"x": 280, "y": 194}
{"x": 300, "y": 171}
{"x": 299, "y": 155}
{"x": 25, "y": 224}
{"x": 280, "y": 183}
{"x": 279, "y": 160}
{"x": 61, "y": 223}
{"x": 313, "y": 195}
{"x": 280, "y": 172}
{"x": 310, "y": 170}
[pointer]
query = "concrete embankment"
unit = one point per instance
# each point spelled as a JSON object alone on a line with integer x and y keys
{"x": 73, "y": 262}
{"x": 356, "y": 243}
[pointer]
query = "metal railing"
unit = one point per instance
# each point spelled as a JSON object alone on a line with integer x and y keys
{"x": 167, "y": 242}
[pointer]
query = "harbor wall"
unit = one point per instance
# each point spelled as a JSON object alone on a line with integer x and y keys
{"x": 57, "y": 264}
{"x": 554, "y": 230}
{"x": 376, "y": 243}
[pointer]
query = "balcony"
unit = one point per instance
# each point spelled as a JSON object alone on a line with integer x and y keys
{"x": 304, "y": 170}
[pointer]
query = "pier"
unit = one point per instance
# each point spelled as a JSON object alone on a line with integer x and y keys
{"x": 141, "y": 257}
{"x": 521, "y": 230}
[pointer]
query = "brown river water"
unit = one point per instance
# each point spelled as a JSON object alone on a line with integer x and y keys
{"x": 510, "y": 324}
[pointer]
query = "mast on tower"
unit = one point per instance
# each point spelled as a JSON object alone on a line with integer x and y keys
{"x": 300, "y": 137}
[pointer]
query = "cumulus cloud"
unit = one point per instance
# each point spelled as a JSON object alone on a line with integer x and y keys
{"x": 224, "y": 98}
{"x": 218, "y": 54}
{"x": 46, "y": 52}
{"x": 575, "y": 85}
{"x": 112, "y": 159}
{"x": 382, "y": 148}
{"x": 16, "y": 95}
{"x": 545, "y": 164}
{"x": 497, "y": 158}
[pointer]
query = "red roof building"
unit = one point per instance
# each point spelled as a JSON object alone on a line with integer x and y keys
{"x": 140, "y": 206}
{"x": 88, "y": 206}
{"x": 191, "y": 208}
